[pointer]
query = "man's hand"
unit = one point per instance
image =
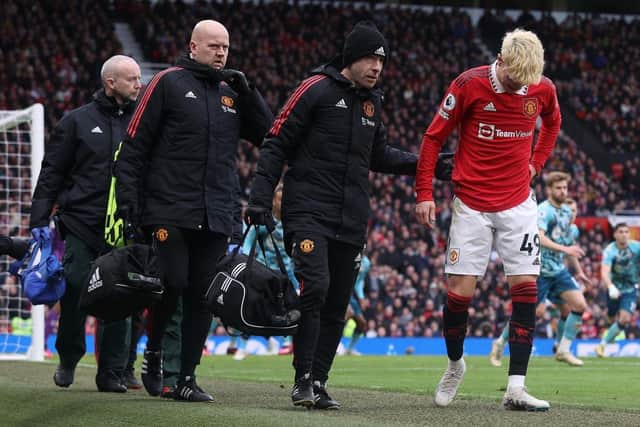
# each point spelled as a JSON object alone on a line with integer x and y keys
{"x": 260, "y": 216}
{"x": 574, "y": 251}
{"x": 444, "y": 166}
{"x": 614, "y": 293}
{"x": 132, "y": 232}
{"x": 532, "y": 172}
{"x": 426, "y": 213}
{"x": 237, "y": 80}
{"x": 582, "y": 278}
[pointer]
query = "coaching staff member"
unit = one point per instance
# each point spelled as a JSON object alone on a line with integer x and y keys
{"x": 176, "y": 179}
{"x": 75, "y": 174}
{"x": 331, "y": 134}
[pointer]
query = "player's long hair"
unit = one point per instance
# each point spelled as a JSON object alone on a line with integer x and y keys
{"x": 523, "y": 56}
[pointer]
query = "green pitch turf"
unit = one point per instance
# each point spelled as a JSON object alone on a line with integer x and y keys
{"x": 391, "y": 391}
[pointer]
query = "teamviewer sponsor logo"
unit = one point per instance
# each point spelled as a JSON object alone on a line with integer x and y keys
{"x": 486, "y": 131}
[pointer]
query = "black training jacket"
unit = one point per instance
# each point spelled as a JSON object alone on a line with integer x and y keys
{"x": 76, "y": 168}
{"x": 331, "y": 134}
{"x": 177, "y": 165}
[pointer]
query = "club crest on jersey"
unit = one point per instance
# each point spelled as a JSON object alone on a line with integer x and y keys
{"x": 368, "y": 108}
{"x": 226, "y": 100}
{"x": 530, "y": 107}
{"x": 162, "y": 234}
{"x": 454, "y": 256}
{"x": 307, "y": 246}
{"x": 227, "y": 104}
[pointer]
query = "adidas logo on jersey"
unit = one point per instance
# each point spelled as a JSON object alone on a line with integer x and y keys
{"x": 489, "y": 107}
{"x": 96, "y": 130}
{"x": 536, "y": 261}
{"x": 341, "y": 103}
{"x": 380, "y": 51}
{"x": 190, "y": 94}
{"x": 95, "y": 282}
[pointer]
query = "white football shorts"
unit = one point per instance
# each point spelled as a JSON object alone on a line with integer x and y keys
{"x": 514, "y": 232}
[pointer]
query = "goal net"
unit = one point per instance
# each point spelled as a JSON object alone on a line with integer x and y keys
{"x": 21, "y": 151}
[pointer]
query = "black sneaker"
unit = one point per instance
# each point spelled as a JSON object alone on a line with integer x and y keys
{"x": 129, "y": 379}
{"x": 302, "y": 392}
{"x": 63, "y": 377}
{"x": 187, "y": 390}
{"x": 152, "y": 372}
{"x": 321, "y": 397}
{"x": 110, "y": 382}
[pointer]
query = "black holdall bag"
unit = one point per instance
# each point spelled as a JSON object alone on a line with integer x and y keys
{"x": 252, "y": 298}
{"x": 122, "y": 282}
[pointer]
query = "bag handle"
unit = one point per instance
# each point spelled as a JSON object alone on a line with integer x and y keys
{"x": 259, "y": 241}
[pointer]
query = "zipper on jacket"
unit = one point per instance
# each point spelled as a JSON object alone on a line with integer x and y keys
{"x": 346, "y": 169}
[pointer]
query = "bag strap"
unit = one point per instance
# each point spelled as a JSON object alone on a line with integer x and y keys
{"x": 281, "y": 265}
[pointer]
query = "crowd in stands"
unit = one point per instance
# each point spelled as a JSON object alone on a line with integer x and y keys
{"x": 595, "y": 62}
{"x": 278, "y": 44}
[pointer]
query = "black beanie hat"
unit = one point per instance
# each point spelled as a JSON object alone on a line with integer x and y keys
{"x": 364, "y": 40}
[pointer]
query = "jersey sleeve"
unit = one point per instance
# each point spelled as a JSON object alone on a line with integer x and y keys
{"x": 575, "y": 233}
{"x": 543, "y": 218}
{"x": 608, "y": 255}
{"x": 551, "y": 120}
{"x": 635, "y": 248}
{"x": 449, "y": 115}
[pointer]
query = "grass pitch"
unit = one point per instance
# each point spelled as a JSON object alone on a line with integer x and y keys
{"x": 374, "y": 390}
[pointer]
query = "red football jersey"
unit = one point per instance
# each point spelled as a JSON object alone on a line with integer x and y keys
{"x": 496, "y": 128}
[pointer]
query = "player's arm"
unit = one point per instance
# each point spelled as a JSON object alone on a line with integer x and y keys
{"x": 551, "y": 120}
{"x": 605, "y": 274}
{"x": 572, "y": 251}
{"x": 579, "y": 272}
{"x": 282, "y": 141}
{"x": 445, "y": 120}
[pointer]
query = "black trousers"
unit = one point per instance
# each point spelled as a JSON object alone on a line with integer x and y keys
{"x": 188, "y": 259}
{"x": 327, "y": 270}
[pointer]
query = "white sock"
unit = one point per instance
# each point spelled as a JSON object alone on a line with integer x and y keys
{"x": 564, "y": 345}
{"x": 455, "y": 363}
{"x": 516, "y": 381}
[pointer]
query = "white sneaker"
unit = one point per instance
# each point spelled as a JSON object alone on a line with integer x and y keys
{"x": 569, "y": 358}
{"x": 240, "y": 354}
{"x": 517, "y": 399}
{"x": 448, "y": 386}
{"x": 495, "y": 357}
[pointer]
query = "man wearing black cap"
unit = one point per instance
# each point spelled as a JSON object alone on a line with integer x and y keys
{"x": 331, "y": 134}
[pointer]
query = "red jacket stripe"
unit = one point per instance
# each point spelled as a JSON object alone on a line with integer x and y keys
{"x": 135, "y": 120}
{"x": 293, "y": 100}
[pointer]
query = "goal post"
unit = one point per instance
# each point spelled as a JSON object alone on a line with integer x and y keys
{"x": 22, "y": 326}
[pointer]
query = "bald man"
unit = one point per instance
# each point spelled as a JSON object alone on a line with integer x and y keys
{"x": 75, "y": 175}
{"x": 177, "y": 181}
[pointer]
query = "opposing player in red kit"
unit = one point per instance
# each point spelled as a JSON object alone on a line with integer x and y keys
{"x": 494, "y": 108}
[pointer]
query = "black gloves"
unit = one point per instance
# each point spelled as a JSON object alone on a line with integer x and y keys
{"x": 444, "y": 167}
{"x": 132, "y": 232}
{"x": 237, "y": 80}
{"x": 260, "y": 216}
{"x": 15, "y": 248}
